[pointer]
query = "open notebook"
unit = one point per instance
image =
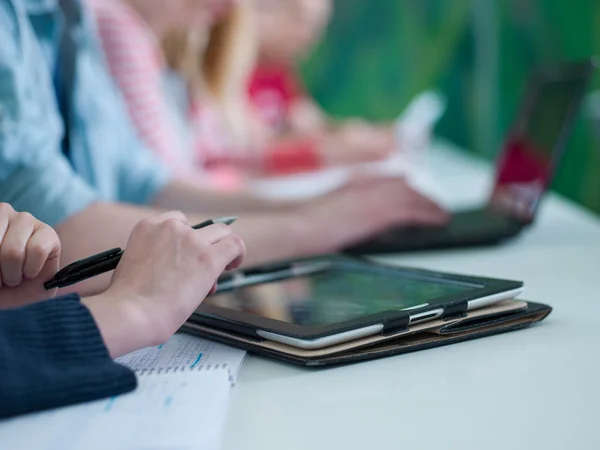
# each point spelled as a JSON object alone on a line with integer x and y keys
{"x": 183, "y": 353}
{"x": 181, "y": 403}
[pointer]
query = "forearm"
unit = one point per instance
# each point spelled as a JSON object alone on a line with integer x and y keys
{"x": 123, "y": 325}
{"x": 271, "y": 230}
{"x": 193, "y": 199}
{"x": 277, "y": 236}
{"x": 102, "y": 226}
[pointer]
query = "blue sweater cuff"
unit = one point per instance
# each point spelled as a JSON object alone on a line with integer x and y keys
{"x": 51, "y": 355}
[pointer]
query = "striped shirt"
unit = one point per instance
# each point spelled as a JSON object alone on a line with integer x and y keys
{"x": 182, "y": 135}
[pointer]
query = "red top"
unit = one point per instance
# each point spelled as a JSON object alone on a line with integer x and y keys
{"x": 272, "y": 90}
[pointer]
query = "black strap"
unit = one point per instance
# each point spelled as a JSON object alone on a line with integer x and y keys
{"x": 65, "y": 72}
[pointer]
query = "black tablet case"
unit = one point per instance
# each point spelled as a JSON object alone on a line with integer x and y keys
{"x": 506, "y": 316}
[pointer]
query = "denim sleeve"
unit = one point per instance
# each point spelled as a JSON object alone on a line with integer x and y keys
{"x": 34, "y": 175}
{"x": 142, "y": 177}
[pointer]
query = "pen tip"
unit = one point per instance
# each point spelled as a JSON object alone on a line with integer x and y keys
{"x": 226, "y": 220}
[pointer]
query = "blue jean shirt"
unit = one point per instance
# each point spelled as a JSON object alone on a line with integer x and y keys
{"x": 108, "y": 162}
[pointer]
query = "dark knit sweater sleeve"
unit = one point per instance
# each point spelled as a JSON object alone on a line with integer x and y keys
{"x": 51, "y": 355}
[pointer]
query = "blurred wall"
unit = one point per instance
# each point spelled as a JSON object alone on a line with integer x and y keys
{"x": 377, "y": 54}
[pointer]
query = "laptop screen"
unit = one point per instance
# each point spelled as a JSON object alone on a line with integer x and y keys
{"x": 526, "y": 166}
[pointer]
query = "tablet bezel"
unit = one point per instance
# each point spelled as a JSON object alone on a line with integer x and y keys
{"x": 248, "y": 324}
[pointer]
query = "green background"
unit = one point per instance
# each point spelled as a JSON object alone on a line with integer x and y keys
{"x": 377, "y": 54}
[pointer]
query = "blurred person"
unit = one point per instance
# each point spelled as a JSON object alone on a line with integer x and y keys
{"x": 60, "y": 351}
{"x": 190, "y": 104}
{"x": 206, "y": 70}
{"x": 215, "y": 66}
{"x": 287, "y": 31}
{"x": 69, "y": 155}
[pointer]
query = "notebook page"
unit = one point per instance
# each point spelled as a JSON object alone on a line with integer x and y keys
{"x": 174, "y": 411}
{"x": 184, "y": 351}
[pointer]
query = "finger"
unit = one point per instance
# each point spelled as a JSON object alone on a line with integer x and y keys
{"x": 12, "y": 249}
{"x": 214, "y": 233}
{"x": 423, "y": 214}
{"x": 425, "y": 217}
{"x": 424, "y": 203}
{"x": 429, "y": 214}
{"x": 43, "y": 246}
{"x": 229, "y": 252}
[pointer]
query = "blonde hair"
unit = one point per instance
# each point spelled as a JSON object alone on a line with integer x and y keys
{"x": 220, "y": 64}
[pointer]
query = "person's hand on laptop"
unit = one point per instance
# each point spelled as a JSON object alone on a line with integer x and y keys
{"x": 166, "y": 271}
{"x": 366, "y": 206}
{"x": 357, "y": 142}
{"x": 29, "y": 255}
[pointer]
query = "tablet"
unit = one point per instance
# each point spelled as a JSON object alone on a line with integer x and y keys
{"x": 320, "y": 302}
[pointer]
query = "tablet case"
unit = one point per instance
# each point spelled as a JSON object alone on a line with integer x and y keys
{"x": 506, "y": 316}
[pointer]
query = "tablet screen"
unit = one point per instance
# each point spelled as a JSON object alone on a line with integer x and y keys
{"x": 335, "y": 296}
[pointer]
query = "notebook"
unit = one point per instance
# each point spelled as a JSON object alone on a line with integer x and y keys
{"x": 180, "y": 403}
{"x": 184, "y": 352}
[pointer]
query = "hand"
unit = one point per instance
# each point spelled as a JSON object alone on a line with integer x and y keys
{"x": 166, "y": 271}
{"x": 365, "y": 207}
{"x": 29, "y": 256}
{"x": 356, "y": 142}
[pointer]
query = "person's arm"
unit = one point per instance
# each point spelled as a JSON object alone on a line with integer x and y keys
{"x": 268, "y": 236}
{"x": 195, "y": 199}
{"x": 52, "y": 354}
{"x": 34, "y": 176}
{"x": 340, "y": 142}
{"x": 166, "y": 271}
{"x": 132, "y": 58}
{"x": 58, "y": 352}
{"x": 305, "y": 117}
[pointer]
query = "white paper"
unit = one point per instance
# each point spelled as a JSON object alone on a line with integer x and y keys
{"x": 175, "y": 411}
{"x": 183, "y": 352}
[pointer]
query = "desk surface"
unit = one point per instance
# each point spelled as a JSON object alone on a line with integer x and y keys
{"x": 537, "y": 388}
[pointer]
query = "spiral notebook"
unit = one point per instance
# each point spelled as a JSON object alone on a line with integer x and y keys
{"x": 184, "y": 352}
{"x": 181, "y": 403}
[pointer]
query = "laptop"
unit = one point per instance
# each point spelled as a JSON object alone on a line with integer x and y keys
{"x": 532, "y": 151}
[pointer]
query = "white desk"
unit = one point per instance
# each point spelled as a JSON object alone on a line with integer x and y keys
{"x": 532, "y": 389}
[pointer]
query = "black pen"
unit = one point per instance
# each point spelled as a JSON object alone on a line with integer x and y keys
{"x": 104, "y": 262}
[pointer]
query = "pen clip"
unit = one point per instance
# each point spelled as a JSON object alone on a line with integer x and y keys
{"x": 83, "y": 263}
